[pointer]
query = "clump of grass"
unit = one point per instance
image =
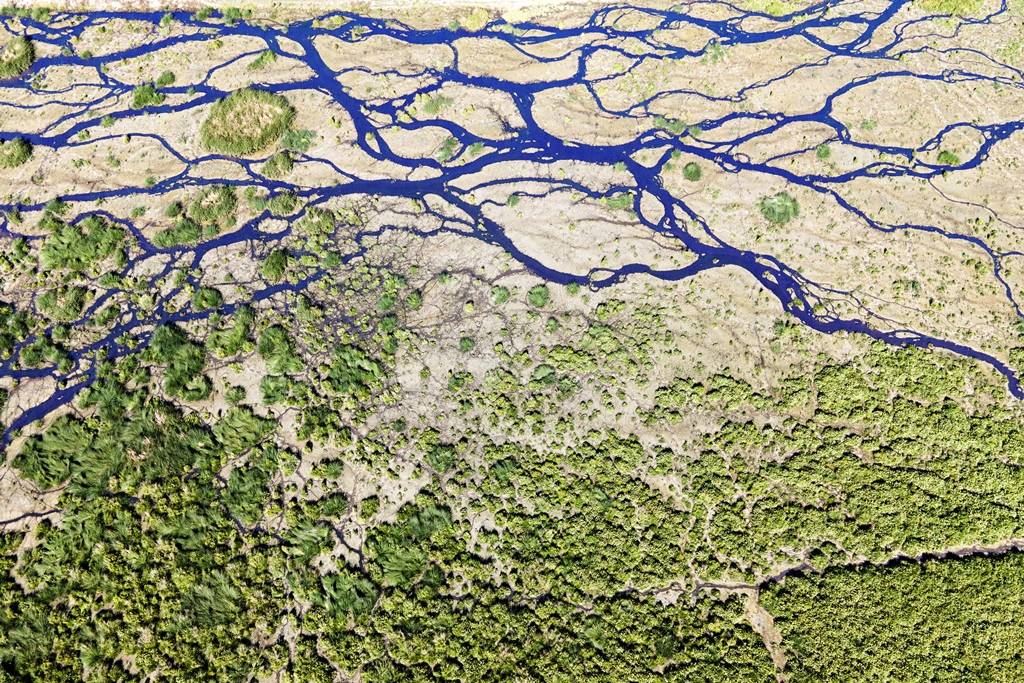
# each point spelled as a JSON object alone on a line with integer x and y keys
{"x": 16, "y": 57}
{"x": 246, "y": 121}
{"x": 14, "y": 152}
{"x": 278, "y": 165}
{"x": 823, "y": 151}
{"x": 947, "y": 158}
{"x": 538, "y": 296}
{"x": 779, "y": 208}
{"x": 266, "y": 57}
{"x": 214, "y": 207}
{"x": 185, "y": 231}
{"x": 146, "y": 96}
{"x": 298, "y": 140}
{"x": 692, "y": 172}
{"x": 165, "y": 79}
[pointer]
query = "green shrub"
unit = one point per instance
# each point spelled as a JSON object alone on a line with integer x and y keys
{"x": 779, "y": 208}
{"x": 184, "y": 232}
{"x": 274, "y": 265}
{"x": 500, "y": 295}
{"x": 266, "y": 57}
{"x": 64, "y": 304}
{"x": 947, "y": 158}
{"x": 14, "y": 152}
{"x": 206, "y": 297}
{"x": 184, "y": 360}
{"x": 146, "y": 96}
{"x": 538, "y": 296}
{"x": 298, "y": 140}
{"x": 278, "y": 165}
{"x": 823, "y": 151}
{"x": 246, "y": 121}
{"x": 165, "y": 79}
{"x": 276, "y": 347}
{"x": 78, "y": 247}
{"x": 466, "y": 344}
{"x": 691, "y": 172}
{"x": 214, "y": 207}
{"x": 16, "y": 57}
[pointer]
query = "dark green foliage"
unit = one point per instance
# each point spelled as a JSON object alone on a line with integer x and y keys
{"x": 500, "y": 295}
{"x": 246, "y": 121}
{"x": 145, "y": 554}
{"x": 206, "y": 297}
{"x": 64, "y": 303}
{"x": 165, "y": 79}
{"x": 81, "y": 246}
{"x": 14, "y": 152}
{"x": 231, "y": 339}
{"x": 16, "y": 57}
{"x": 173, "y": 210}
{"x": 779, "y": 208}
{"x": 277, "y": 349}
{"x": 354, "y": 372}
{"x": 298, "y": 140}
{"x": 283, "y": 203}
{"x": 185, "y": 231}
{"x": 184, "y": 361}
{"x": 274, "y": 266}
{"x": 214, "y": 207}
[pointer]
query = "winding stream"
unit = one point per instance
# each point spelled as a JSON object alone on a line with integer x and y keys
{"x": 806, "y": 300}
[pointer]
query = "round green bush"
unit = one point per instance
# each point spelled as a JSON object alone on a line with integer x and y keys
{"x": 692, "y": 172}
{"x": 16, "y": 57}
{"x": 246, "y": 121}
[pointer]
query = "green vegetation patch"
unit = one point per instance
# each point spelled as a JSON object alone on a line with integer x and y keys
{"x": 16, "y": 57}
{"x": 937, "y": 620}
{"x": 82, "y": 246}
{"x": 146, "y": 96}
{"x": 779, "y": 208}
{"x": 14, "y": 152}
{"x": 246, "y": 121}
{"x": 951, "y": 7}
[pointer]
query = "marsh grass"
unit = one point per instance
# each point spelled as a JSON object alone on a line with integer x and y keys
{"x": 14, "y": 152}
{"x": 245, "y": 122}
{"x": 16, "y": 57}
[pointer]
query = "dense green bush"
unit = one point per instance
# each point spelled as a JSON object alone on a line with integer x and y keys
{"x": 207, "y": 297}
{"x": 245, "y": 122}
